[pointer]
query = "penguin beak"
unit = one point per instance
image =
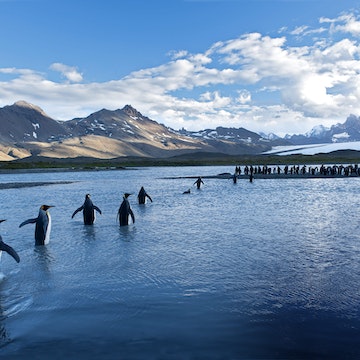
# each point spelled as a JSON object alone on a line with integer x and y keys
{"x": 46, "y": 207}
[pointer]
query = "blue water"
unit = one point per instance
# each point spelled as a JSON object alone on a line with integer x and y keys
{"x": 262, "y": 270}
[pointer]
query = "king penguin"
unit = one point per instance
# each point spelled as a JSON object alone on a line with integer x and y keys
{"x": 8, "y": 249}
{"x": 88, "y": 209}
{"x": 42, "y": 225}
{"x": 143, "y": 195}
{"x": 125, "y": 211}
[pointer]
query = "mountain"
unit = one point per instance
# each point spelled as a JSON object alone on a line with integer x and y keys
{"x": 26, "y": 130}
{"x": 24, "y": 122}
{"x": 347, "y": 132}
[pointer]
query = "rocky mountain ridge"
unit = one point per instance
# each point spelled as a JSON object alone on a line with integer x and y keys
{"x": 347, "y": 132}
{"x": 26, "y": 130}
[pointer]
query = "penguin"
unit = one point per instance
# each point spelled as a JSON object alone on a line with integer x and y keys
{"x": 198, "y": 182}
{"x": 143, "y": 195}
{"x": 88, "y": 209}
{"x": 8, "y": 249}
{"x": 42, "y": 225}
{"x": 125, "y": 211}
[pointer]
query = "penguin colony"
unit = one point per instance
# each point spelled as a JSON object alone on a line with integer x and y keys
{"x": 43, "y": 220}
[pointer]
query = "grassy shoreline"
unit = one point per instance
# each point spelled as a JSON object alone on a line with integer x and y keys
{"x": 195, "y": 159}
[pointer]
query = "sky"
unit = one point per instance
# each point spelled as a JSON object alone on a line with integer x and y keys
{"x": 269, "y": 66}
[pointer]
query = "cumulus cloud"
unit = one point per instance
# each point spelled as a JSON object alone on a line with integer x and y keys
{"x": 256, "y": 81}
{"x": 69, "y": 72}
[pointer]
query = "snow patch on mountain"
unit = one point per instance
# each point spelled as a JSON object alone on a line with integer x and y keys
{"x": 340, "y": 137}
{"x": 317, "y": 131}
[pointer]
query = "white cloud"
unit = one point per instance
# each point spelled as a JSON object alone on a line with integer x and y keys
{"x": 259, "y": 82}
{"x": 347, "y": 23}
{"x": 69, "y": 72}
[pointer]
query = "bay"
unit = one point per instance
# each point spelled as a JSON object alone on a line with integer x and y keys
{"x": 260, "y": 270}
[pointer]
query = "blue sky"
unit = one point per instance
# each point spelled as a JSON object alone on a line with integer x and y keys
{"x": 281, "y": 66}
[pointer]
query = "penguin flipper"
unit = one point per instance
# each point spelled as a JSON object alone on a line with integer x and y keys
{"x": 97, "y": 209}
{"x": 10, "y": 251}
{"x": 132, "y": 216}
{"x": 77, "y": 210}
{"x": 28, "y": 221}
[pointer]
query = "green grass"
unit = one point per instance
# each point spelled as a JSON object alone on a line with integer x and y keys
{"x": 194, "y": 159}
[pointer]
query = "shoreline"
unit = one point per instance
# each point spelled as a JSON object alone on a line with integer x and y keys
{"x": 266, "y": 176}
{"x": 18, "y": 185}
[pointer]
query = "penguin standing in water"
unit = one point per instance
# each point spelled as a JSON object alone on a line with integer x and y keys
{"x": 42, "y": 225}
{"x": 125, "y": 211}
{"x": 88, "y": 209}
{"x": 198, "y": 182}
{"x": 143, "y": 195}
{"x": 8, "y": 249}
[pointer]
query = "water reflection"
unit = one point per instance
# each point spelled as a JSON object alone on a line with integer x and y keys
{"x": 4, "y": 336}
{"x": 89, "y": 233}
{"x": 127, "y": 233}
{"x": 268, "y": 270}
{"x": 44, "y": 258}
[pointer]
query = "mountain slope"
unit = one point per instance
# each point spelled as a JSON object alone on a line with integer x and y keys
{"x": 23, "y": 122}
{"x": 25, "y": 130}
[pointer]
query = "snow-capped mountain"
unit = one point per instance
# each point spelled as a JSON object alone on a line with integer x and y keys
{"x": 347, "y": 132}
{"x": 26, "y": 130}
{"x": 23, "y": 122}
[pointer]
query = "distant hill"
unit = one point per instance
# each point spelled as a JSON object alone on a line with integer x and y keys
{"x": 27, "y": 131}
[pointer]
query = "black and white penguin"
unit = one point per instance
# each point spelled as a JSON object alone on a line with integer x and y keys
{"x": 88, "y": 209}
{"x": 143, "y": 195}
{"x": 125, "y": 211}
{"x": 42, "y": 225}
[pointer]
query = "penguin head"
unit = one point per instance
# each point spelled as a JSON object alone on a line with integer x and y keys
{"x": 126, "y": 195}
{"x": 46, "y": 207}
{"x": 87, "y": 196}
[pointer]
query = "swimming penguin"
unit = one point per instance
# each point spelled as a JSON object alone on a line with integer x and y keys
{"x": 88, "y": 209}
{"x": 125, "y": 211}
{"x": 8, "y": 249}
{"x": 143, "y": 195}
{"x": 42, "y": 225}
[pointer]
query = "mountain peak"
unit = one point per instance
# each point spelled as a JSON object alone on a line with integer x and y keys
{"x": 25, "y": 105}
{"x": 129, "y": 110}
{"x": 352, "y": 122}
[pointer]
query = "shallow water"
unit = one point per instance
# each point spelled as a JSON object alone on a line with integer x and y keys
{"x": 269, "y": 269}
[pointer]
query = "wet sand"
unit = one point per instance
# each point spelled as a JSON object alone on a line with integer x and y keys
{"x": 17, "y": 185}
